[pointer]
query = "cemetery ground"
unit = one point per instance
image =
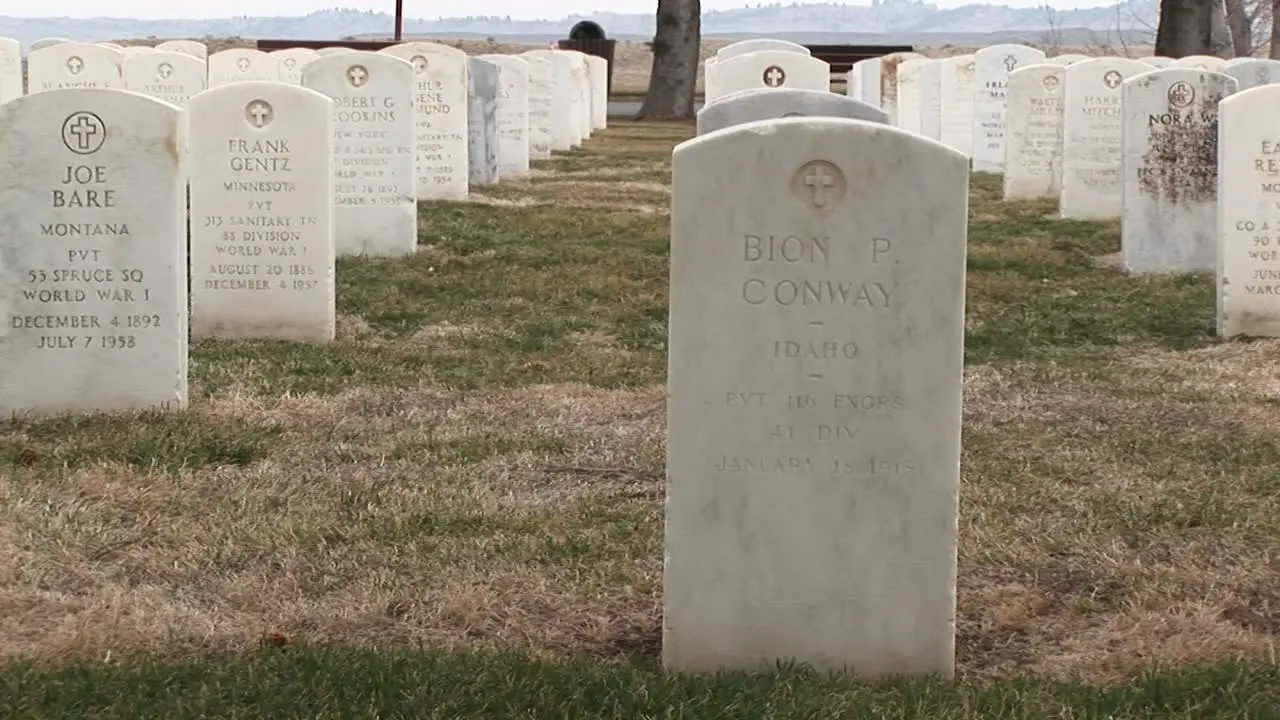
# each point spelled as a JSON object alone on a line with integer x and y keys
{"x": 455, "y": 510}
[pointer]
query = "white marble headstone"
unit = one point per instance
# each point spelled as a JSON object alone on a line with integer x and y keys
{"x": 956, "y": 86}
{"x": 1033, "y": 132}
{"x": 992, "y": 66}
{"x": 242, "y": 65}
{"x": 910, "y": 97}
{"x": 186, "y": 47}
{"x": 440, "y": 111}
{"x": 1170, "y": 168}
{"x": 540, "y": 95}
{"x": 747, "y": 106}
{"x": 43, "y": 43}
{"x": 93, "y": 256}
{"x": 814, "y": 399}
{"x": 868, "y": 83}
{"x": 482, "y": 121}
{"x": 561, "y": 126}
{"x": 512, "y": 114}
{"x": 931, "y": 100}
{"x": 1200, "y": 62}
{"x": 1252, "y": 72}
{"x": 772, "y": 69}
{"x": 599, "y": 92}
{"x": 292, "y": 60}
{"x": 889, "y": 81}
{"x": 375, "y": 180}
{"x": 1248, "y": 277}
{"x": 10, "y": 69}
{"x": 1091, "y": 121}
{"x": 74, "y": 65}
{"x": 169, "y": 76}
{"x": 262, "y": 242}
{"x": 742, "y": 47}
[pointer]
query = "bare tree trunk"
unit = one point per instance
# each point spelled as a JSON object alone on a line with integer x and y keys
{"x": 675, "y": 61}
{"x": 1241, "y": 27}
{"x": 1275, "y": 30}
{"x": 1186, "y": 28}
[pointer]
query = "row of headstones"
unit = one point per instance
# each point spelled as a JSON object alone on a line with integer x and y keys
{"x": 108, "y": 273}
{"x": 536, "y": 102}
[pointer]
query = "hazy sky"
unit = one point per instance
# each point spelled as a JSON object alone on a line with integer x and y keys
{"x": 552, "y": 9}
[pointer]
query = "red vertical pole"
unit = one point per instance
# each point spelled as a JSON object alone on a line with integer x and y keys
{"x": 399, "y": 20}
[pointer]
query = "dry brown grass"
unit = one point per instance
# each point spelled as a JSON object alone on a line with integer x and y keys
{"x": 1116, "y": 513}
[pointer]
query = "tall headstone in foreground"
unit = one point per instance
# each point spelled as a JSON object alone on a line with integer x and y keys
{"x": 65, "y": 66}
{"x": 1170, "y": 163}
{"x": 482, "y": 121}
{"x": 375, "y": 211}
{"x": 512, "y": 114}
{"x": 750, "y": 105}
{"x": 812, "y": 480}
{"x": 262, "y": 251}
{"x": 10, "y": 69}
{"x": 540, "y": 93}
{"x": 440, "y": 117}
{"x": 992, "y": 66}
{"x": 1033, "y": 132}
{"x": 1091, "y": 186}
{"x": 1248, "y": 215}
{"x": 93, "y": 282}
{"x": 169, "y": 76}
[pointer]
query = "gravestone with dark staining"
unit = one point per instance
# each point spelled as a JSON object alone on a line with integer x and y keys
{"x": 482, "y": 121}
{"x": 1170, "y": 164}
{"x": 816, "y": 352}
{"x": 750, "y": 105}
{"x": 93, "y": 255}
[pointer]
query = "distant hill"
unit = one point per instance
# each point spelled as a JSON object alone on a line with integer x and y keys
{"x": 889, "y": 22}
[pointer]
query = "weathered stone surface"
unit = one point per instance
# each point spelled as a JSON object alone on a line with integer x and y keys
{"x": 743, "y": 47}
{"x": 186, "y": 47}
{"x": 1252, "y": 72}
{"x": 1091, "y": 120}
{"x": 1170, "y": 164}
{"x": 440, "y": 118}
{"x": 1200, "y": 62}
{"x": 1248, "y": 216}
{"x": 262, "y": 244}
{"x": 242, "y": 65}
{"x": 374, "y": 152}
{"x": 751, "y": 105}
{"x": 599, "y": 92}
{"x": 889, "y": 82}
{"x": 868, "y": 83}
{"x": 1064, "y": 59}
{"x": 539, "y": 106}
{"x": 931, "y": 100}
{"x": 1157, "y": 61}
{"x": 512, "y": 114}
{"x": 956, "y": 83}
{"x": 816, "y": 352}
{"x": 169, "y": 76}
{"x": 992, "y": 66}
{"x": 560, "y": 127}
{"x": 93, "y": 255}
{"x": 910, "y": 98}
{"x": 292, "y": 60}
{"x": 482, "y": 121}
{"x": 1033, "y": 132}
{"x": 68, "y": 65}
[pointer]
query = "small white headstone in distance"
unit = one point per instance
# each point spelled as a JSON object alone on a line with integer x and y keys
{"x": 771, "y": 69}
{"x": 910, "y": 110}
{"x": 1253, "y": 72}
{"x": 375, "y": 209}
{"x": 742, "y": 47}
{"x": 10, "y": 69}
{"x": 599, "y": 92}
{"x": 956, "y": 86}
{"x": 540, "y": 92}
{"x": 440, "y": 117}
{"x": 889, "y": 81}
{"x": 292, "y": 61}
{"x": 93, "y": 284}
{"x": 561, "y": 125}
{"x": 242, "y": 65}
{"x": 186, "y": 47}
{"x": 70, "y": 65}
{"x": 262, "y": 246}
{"x": 812, "y": 480}
{"x": 1170, "y": 165}
{"x": 169, "y": 76}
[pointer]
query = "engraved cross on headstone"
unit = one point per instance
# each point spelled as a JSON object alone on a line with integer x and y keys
{"x": 83, "y": 129}
{"x": 773, "y": 77}
{"x": 1180, "y": 94}
{"x": 357, "y": 75}
{"x": 1010, "y": 62}
{"x": 260, "y": 113}
{"x": 818, "y": 181}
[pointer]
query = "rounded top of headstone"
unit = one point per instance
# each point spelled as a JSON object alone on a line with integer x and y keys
{"x": 586, "y": 30}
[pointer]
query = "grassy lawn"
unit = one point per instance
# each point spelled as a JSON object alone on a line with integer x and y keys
{"x": 455, "y": 509}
